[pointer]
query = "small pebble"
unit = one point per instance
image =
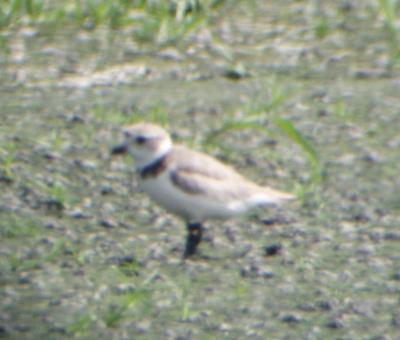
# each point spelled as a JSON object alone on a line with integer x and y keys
{"x": 273, "y": 249}
{"x": 396, "y": 276}
{"x": 266, "y": 274}
{"x": 392, "y": 236}
{"x": 77, "y": 213}
{"x": 269, "y": 221}
{"x": 23, "y": 280}
{"x": 5, "y": 179}
{"x": 325, "y": 305}
{"x": 52, "y": 204}
{"x": 106, "y": 189}
{"x": 290, "y": 318}
{"x": 334, "y": 324}
{"x": 307, "y": 307}
{"x": 122, "y": 260}
{"x": 58, "y": 329}
{"x": 75, "y": 119}
{"x": 396, "y": 319}
{"x": 108, "y": 223}
{"x": 53, "y": 226}
{"x": 143, "y": 326}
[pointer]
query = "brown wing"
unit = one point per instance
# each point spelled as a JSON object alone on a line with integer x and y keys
{"x": 199, "y": 163}
{"x": 199, "y": 174}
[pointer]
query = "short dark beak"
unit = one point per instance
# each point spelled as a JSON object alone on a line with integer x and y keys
{"x": 119, "y": 149}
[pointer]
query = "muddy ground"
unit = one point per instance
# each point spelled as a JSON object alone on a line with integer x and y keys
{"x": 85, "y": 255}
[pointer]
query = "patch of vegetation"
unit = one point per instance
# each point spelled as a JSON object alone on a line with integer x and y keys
{"x": 23, "y": 263}
{"x": 294, "y": 134}
{"x": 8, "y": 152}
{"x": 256, "y": 117}
{"x": 389, "y": 10}
{"x": 116, "y": 312}
{"x": 14, "y": 225}
{"x": 185, "y": 298}
{"x": 159, "y": 20}
{"x": 81, "y": 325}
{"x": 321, "y": 28}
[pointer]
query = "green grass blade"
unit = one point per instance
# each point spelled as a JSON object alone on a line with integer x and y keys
{"x": 231, "y": 126}
{"x": 295, "y": 135}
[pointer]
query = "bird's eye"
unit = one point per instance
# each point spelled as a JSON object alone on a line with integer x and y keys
{"x": 140, "y": 140}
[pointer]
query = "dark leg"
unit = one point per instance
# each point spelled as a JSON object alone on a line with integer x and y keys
{"x": 195, "y": 232}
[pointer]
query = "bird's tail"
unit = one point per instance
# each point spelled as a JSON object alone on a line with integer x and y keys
{"x": 267, "y": 196}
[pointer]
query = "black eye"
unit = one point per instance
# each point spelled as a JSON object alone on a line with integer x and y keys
{"x": 140, "y": 140}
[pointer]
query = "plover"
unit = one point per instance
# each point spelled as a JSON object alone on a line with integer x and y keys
{"x": 189, "y": 183}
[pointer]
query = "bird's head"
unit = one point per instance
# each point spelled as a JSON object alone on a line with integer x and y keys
{"x": 145, "y": 142}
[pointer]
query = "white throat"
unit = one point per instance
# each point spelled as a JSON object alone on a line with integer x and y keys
{"x": 145, "y": 158}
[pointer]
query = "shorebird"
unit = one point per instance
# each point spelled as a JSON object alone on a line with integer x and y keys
{"x": 191, "y": 184}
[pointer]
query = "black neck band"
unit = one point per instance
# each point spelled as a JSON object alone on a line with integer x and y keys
{"x": 153, "y": 169}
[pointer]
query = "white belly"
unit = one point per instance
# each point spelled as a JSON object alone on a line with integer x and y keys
{"x": 192, "y": 207}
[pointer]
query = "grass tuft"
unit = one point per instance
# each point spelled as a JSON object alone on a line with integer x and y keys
{"x": 80, "y": 326}
{"x": 116, "y": 312}
{"x": 288, "y": 128}
{"x": 14, "y": 225}
{"x": 389, "y": 10}
{"x": 161, "y": 21}
{"x": 321, "y": 28}
{"x": 256, "y": 118}
{"x": 18, "y": 263}
{"x": 7, "y": 154}
{"x": 114, "y": 315}
{"x": 257, "y": 114}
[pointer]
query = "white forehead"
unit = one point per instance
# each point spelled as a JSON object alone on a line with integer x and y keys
{"x": 146, "y": 130}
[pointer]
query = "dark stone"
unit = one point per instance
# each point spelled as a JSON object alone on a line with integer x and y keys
{"x": 55, "y": 302}
{"x": 5, "y": 179}
{"x": 269, "y": 221}
{"x": 22, "y": 328}
{"x": 119, "y": 149}
{"x": 325, "y": 305}
{"x": 78, "y": 214}
{"x": 360, "y": 217}
{"x": 396, "y": 276}
{"x": 248, "y": 272}
{"x": 52, "y": 204}
{"x": 346, "y": 6}
{"x": 75, "y": 119}
{"x": 307, "y": 307}
{"x": 24, "y": 280}
{"x": 290, "y": 318}
{"x": 236, "y": 73}
{"x": 396, "y": 319}
{"x": 50, "y": 156}
{"x": 66, "y": 264}
{"x": 58, "y": 329}
{"x": 322, "y": 113}
{"x": 50, "y": 226}
{"x": 267, "y": 274}
{"x": 106, "y": 189}
{"x": 273, "y": 249}
{"x": 108, "y": 223}
{"x": 392, "y": 236}
{"x": 334, "y": 324}
{"x": 122, "y": 260}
